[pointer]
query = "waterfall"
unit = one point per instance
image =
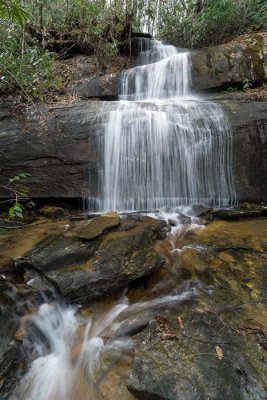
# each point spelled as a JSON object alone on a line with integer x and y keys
{"x": 162, "y": 146}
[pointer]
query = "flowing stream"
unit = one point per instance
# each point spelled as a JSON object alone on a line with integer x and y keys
{"x": 162, "y": 146}
{"x": 73, "y": 352}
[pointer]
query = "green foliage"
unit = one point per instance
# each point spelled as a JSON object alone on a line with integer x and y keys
{"x": 19, "y": 196}
{"x": 24, "y": 65}
{"x": 13, "y": 11}
{"x": 31, "y": 34}
{"x": 247, "y": 83}
{"x": 27, "y": 32}
{"x": 215, "y": 21}
{"x": 26, "y": 68}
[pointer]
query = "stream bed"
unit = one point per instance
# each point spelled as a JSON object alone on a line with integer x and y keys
{"x": 190, "y": 325}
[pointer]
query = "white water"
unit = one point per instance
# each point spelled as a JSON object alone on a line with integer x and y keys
{"x": 65, "y": 370}
{"x": 162, "y": 146}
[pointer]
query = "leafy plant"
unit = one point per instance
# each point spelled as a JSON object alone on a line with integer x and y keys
{"x": 198, "y": 23}
{"x": 19, "y": 196}
{"x": 29, "y": 69}
{"x": 13, "y": 11}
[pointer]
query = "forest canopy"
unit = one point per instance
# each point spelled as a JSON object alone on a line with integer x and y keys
{"x": 33, "y": 33}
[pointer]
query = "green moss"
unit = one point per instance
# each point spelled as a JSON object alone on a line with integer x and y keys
{"x": 252, "y": 53}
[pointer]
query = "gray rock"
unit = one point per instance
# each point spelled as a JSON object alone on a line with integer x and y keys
{"x": 213, "y": 348}
{"x": 231, "y": 63}
{"x": 58, "y": 145}
{"x": 98, "y": 225}
{"x": 9, "y": 347}
{"x": 186, "y": 367}
{"x": 84, "y": 270}
{"x": 104, "y": 87}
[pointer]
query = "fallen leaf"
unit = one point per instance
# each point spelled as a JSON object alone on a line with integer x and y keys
{"x": 181, "y": 322}
{"x": 219, "y": 352}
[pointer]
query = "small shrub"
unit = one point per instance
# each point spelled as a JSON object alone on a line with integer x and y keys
{"x": 19, "y": 199}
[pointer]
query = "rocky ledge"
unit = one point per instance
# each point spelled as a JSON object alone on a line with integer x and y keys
{"x": 85, "y": 265}
{"x": 90, "y": 259}
{"x": 243, "y": 60}
{"x": 58, "y": 145}
{"x": 79, "y": 261}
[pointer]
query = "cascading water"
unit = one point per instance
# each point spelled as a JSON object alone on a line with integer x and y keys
{"x": 163, "y": 147}
{"x": 72, "y": 351}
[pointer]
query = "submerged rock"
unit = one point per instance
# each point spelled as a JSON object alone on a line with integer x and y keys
{"x": 88, "y": 267}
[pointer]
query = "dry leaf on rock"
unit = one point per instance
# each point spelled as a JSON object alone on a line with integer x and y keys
{"x": 219, "y": 352}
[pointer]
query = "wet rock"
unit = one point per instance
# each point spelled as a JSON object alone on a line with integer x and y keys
{"x": 180, "y": 219}
{"x": 240, "y": 213}
{"x": 56, "y": 252}
{"x": 84, "y": 270}
{"x": 244, "y": 235}
{"x": 184, "y": 219}
{"x": 98, "y": 225}
{"x": 200, "y": 211}
{"x": 214, "y": 349}
{"x": 172, "y": 222}
{"x": 199, "y": 361}
{"x": 9, "y": 346}
{"x": 54, "y": 212}
{"x": 57, "y": 144}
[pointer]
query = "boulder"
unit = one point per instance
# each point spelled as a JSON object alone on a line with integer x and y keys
{"x": 84, "y": 267}
{"x": 202, "y": 361}
{"x": 105, "y": 87}
{"x": 242, "y": 60}
{"x": 98, "y": 225}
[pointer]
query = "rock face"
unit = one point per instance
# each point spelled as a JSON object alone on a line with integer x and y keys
{"x": 249, "y": 124}
{"x": 232, "y": 63}
{"x": 186, "y": 367}
{"x": 84, "y": 267}
{"x": 58, "y": 146}
{"x": 104, "y": 87}
{"x": 215, "y": 348}
{"x": 55, "y": 144}
{"x": 242, "y": 60}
